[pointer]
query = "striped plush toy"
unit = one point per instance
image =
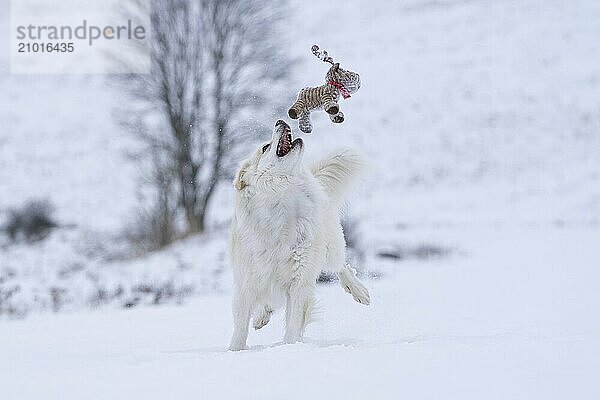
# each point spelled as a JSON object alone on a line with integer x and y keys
{"x": 338, "y": 81}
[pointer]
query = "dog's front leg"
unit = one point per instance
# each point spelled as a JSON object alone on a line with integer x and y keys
{"x": 241, "y": 319}
{"x": 298, "y": 310}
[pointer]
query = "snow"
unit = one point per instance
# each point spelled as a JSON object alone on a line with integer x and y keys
{"x": 513, "y": 319}
{"x": 481, "y": 119}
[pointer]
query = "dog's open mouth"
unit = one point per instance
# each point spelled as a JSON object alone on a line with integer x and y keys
{"x": 285, "y": 144}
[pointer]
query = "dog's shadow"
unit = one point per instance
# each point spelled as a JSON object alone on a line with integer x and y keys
{"x": 324, "y": 343}
{"x": 308, "y": 342}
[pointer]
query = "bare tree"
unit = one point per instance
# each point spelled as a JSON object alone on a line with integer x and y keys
{"x": 214, "y": 64}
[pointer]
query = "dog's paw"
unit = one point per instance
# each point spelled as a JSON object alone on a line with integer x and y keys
{"x": 238, "y": 346}
{"x": 261, "y": 320}
{"x": 359, "y": 292}
{"x": 352, "y": 285}
{"x": 361, "y": 295}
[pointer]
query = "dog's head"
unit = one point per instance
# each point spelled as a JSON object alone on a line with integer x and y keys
{"x": 282, "y": 156}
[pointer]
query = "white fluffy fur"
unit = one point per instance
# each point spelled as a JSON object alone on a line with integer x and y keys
{"x": 285, "y": 230}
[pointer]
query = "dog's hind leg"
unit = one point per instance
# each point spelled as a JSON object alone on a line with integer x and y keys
{"x": 242, "y": 307}
{"x": 298, "y": 311}
{"x": 262, "y": 317}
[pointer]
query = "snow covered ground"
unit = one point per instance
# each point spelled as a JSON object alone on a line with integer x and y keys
{"x": 515, "y": 319}
{"x": 481, "y": 219}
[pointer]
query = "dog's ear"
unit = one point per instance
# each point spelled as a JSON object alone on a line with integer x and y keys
{"x": 238, "y": 182}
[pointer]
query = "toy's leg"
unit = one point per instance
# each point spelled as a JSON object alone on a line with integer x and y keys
{"x": 304, "y": 123}
{"x": 337, "y": 118}
{"x": 295, "y": 110}
{"x": 299, "y": 106}
{"x": 329, "y": 104}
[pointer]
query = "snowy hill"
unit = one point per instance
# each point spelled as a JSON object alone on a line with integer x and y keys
{"x": 492, "y": 104}
{"x": 474, "y": 114}
{"x": 475, "y": 111}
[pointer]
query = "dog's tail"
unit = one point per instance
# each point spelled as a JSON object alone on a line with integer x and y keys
{"x": 336, "y": 172}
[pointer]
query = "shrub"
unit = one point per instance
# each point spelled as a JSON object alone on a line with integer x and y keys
{"x": 31, "y": 222}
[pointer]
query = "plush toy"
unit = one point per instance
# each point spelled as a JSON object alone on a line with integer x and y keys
{"x": 338, "y": 82}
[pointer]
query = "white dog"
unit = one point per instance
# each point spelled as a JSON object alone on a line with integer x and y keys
{"x": 285, "y": 230}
